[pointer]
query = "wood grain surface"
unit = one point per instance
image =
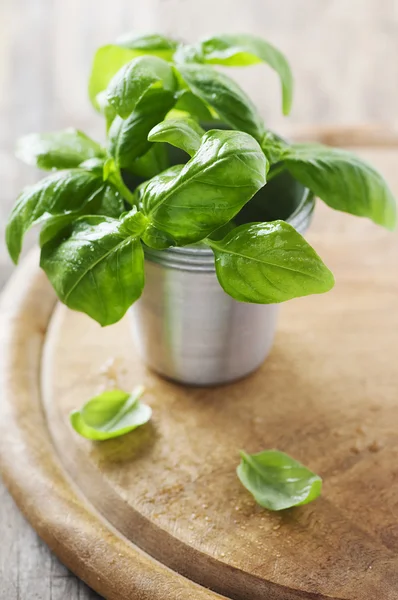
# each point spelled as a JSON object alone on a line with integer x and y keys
{"x": 326, "y": 395}
{"x": 344, "y": 61}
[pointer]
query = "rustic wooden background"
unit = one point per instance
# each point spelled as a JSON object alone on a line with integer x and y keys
{"x": 344, "y": 58}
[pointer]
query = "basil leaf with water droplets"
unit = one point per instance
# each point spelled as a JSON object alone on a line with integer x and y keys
{"x": 190, "y": 201}
{"x": 277, "y": 481}
{"x": 96, "y": 265}
{"x": 111, "y": 414}
{"x": 129, "y": 84}
{"x": 107, "y": 202}
{"x": 267, "y": 263}
{"x": 61, "y": 193}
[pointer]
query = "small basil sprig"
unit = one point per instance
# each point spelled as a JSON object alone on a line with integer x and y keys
{"x": 111, "y": 414}
{"x": 277, "y": 481}
{"x": 268, "y": 263}
{"x": 58, "y": 150}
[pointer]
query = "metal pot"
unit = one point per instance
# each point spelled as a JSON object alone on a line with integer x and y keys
{"x": 188, "y": 329}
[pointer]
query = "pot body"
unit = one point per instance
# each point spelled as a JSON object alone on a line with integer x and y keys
{"x": 188, "y": 329}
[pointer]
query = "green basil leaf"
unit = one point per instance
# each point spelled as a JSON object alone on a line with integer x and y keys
{"x": 226, "y": 97}
{"x": 96, "y": 265}
{"x": 277, "y": 481}
{"x": 112, "y": 57}
{"x": 128, "y": 138}
{"x": 107, "y": 62}
{"x": 157, "y": 239}
{"x": 105, "y": 108}
{"x": 273, "y": 146}
{"x": 190, "y": 201}
{"x": 59, "y": 150}
{"x": 242, "y": 50}
{"x": 96, "y": 165}
{"x": 182, "y": 133}
{"x": 266, "y": 263}
{"x": 149, "y": 43}
{"x": 111, "y": 414}
{"x": 61, "y": 193}
{"x": 343, "y": 181}
{"x": 189, "y": 103}
{"x": 132, "y": 81}
{"x": 221, "y": 232}
{"x": 107, "y": 202}
{"x": 113, "y": 175}
{"x": 152, "y": 163}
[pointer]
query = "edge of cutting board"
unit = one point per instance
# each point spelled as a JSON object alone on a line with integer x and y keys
{"x": 79, "y": 536}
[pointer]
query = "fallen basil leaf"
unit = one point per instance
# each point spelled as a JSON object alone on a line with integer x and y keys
{"x": 343, "y": 181}
{"x": 182, "y": 133}
{"x": 242, "y": 50}
{"x": 190, "y": 201}
{"x": 225, "y": 96}
{"x": 112, "y": 57}
{"x": 61, "y": 193}
{"x": 111, "y": 414}
{"x": 267, "y": 263}
{"x": 128, "y": 138}
{"x": 277, "y": 481}
{"x": 96, "y": 265}
{"x": 58, "y": 150}
{"x": 132, "y": 81}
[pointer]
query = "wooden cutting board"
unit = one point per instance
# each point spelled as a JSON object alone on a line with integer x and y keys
{"x": 160, "y": 514}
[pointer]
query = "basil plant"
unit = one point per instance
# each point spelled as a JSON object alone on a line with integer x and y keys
{"x": 187, "y": 160}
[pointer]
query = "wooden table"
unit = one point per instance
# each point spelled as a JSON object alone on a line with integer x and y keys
{"x": 45, "y": 49}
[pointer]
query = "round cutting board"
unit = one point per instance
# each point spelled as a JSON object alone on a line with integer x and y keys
{"x": 160, "y": 514}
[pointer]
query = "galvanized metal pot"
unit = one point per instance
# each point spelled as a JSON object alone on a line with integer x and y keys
{"x": 188, "y": 329}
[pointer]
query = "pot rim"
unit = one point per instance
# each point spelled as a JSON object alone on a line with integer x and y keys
{"x": 201, "y": 258}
